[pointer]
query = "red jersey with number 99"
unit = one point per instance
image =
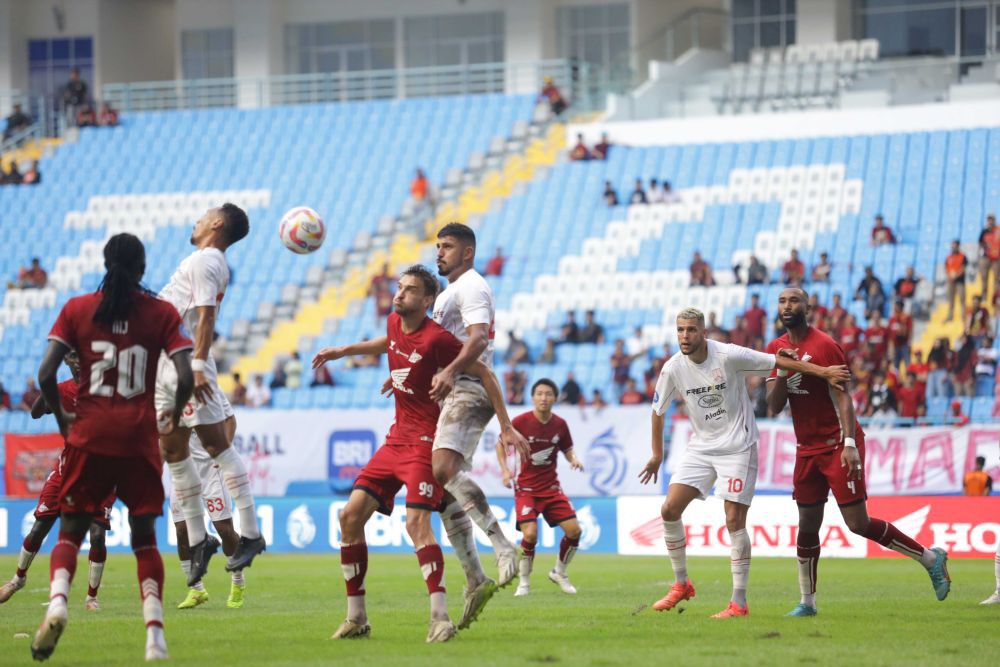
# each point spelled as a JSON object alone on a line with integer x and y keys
{"x": 115, "y": 415}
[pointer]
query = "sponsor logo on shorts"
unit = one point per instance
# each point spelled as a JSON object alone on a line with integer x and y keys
{"x": 710, "y": 401}
{"x": 300, "y": 527}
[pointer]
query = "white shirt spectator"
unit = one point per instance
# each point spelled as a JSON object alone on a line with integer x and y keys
{"x": 258, "y": 394}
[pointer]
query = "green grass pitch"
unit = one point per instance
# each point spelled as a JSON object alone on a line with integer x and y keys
{"x": 872, "y": 612}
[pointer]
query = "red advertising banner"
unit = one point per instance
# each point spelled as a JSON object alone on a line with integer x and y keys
{"x": 967, "y": 527}
{"x": 30, "y": 459}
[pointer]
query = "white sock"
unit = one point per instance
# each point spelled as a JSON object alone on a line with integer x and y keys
{"x": 439, "y": 607}
{"x": 187, "y": 486}
{"x": 59, "y": 589}
{"x": 356, "y": 609}
{"x": 24, "y": 559}
{"x": 676, "y": 541}
{"x": 186, "y": 566}
{"x": 458, "y": 526}
{"x": 524, "y": 570}
{"x": 152, "y": 612}
{"x": 155, "y": 636}
{"x": 927, "y": 558}
{"x": 474, "y": 503}
{"x": 237, "y": 479}
{"x": 996, "y": 566}
{"x": 94, "y": 574}
{"x": 562, "y": 563}
{"x": 238, "y": 578}
{"x": 806, "y": 583}
{"x": 740, "y": 565}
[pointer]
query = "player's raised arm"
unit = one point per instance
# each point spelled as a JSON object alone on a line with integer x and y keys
{"x": 47, "y": 384}
{"x": 363, "y": 348}
{"x": 444, "y": 381}
{"x": 508, "y": 434}
{"x": 502, "y": 458}
{"x": 836, "y": 376}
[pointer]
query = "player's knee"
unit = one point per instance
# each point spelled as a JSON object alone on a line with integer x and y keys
{"x": 143, "y": 529}
{"x": 96, "y": 537}
{"x": 442, "y": 472}
{"x": 573, "y": 532}
{"x": 857, "y": 525}
{"x": 418, "y": 527}
{"x": 350, "y": 519}
{"x": 530, "y": 532}
{"x": 669, "y": 513}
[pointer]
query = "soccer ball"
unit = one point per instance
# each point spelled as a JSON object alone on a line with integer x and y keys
{"x": 302, "y": 230}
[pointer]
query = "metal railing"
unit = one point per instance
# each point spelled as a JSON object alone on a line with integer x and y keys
{"x": 574, "y": 79}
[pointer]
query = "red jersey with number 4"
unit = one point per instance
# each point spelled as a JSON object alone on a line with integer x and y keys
{"x": 414, "y": 358}
{"x": 546, "y": 441}
{"x": 115, "y": 415}
{"x": 814, "y": 409}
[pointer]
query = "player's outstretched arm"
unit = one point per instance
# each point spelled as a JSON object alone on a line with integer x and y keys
{"x": 777, "y": 388}
{"x": 502, "y": 458}
{"x": 444, "y": 380}
{"x": 508, "y": 434}
{"x": 365, "y": 347}
{"x": 837, "y": 376}
{"x": 651, "y": 471}
{"x": 47, "y": 384}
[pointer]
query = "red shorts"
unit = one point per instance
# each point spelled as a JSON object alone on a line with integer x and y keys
{"x": 552, "y": 504}
{"x": 815, "y": 476}
{"x": 88, "y": 480}
{"x": 48, "y": 501}
{"x": 394, "y": 466}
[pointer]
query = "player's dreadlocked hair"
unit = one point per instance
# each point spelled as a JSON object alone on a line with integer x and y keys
{"x": 125, "y": 260}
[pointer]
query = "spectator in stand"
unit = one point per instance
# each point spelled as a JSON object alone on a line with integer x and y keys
{"x": 278, "y": 376}
{"x": 602, "y": 148}
{"x": 881, "y": 401}
{"x": 380, "y": 288}
{"x": 86, "y": 116}
{"x": 900, "y": 335}
{"x": 494, "y": 267}
{"x": 756, "y": 272}
{"x": 955, "y": 266}
{"x": 4, "y": 398}
{"x": 548, "y": 355}
{"x": 13, "y": 174}
{"x": 631, "y": 395}
{"x": 850, "y": 336}
{"x": 239, "y": 395}
{"x": 621, "y": 365}
{"x": 957, "y": 416}
{"x": 517, "y": 351}
{"x": 939, "y": 361}
{"x": 875, "y": 300}
{"x": 32, "y": 176}
{"x": 793, "y": 272}
{"x": 876, "y": 339}
{"x": 821, "y": 272}
{"x": 514, "y": 381}
{"x": 16, "y": 122}
{"x": 654, "y": 195}
{"x": 815, "y": 311}
{"x": 597, "y": 401}
{"x": 108, "y": 116}
{"x": 986, "y": 367}
{"x": 963, "y": 367}
{"x": 570, "y": 393}
{"x": 258, "y": 394}
{"x": 755, "y": 316}
{"x": 989, "y": 252}
{"x": 570, "y": 330}
{"x": 906, "y": 287}
{"x": 978, "y": 321}
{"x": 701, "y": 272}
{"x": 322, "y": 377}
{"x": 293, "y": 372}
{"x": 669, "y": 196}
{"x": 579, "y": 151}
{"x": 739, "y": 335}
{"x": 714, "y": 331}
{"x": 419, "y": 187}
{"x": 977, "y": 482}
{"x": 638, "y": 195}
{"x": 74, "y": 95}
{"x": 837, "y": 314}
{"x": 33, "y": 277}
{"x": 610, "y": 195}
{"x": 861, "y": 293}
{"x": 592, "y": 332}
{"x": 635, "y": 344}
{"x": 30, "y": 395}
{"x": 908, "y": 398}
{"x": 882, "y": 235}
{"x": 918, "y": 370}
{"x": 550, "y": 93}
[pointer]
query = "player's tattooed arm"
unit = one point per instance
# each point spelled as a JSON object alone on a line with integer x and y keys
{"x": 508, "y": 434}
{"x": 49, "y": 387}
{"x": 502, "y": 458}
{"x": 365, "y": 347}
{"x": 651, "y": 471}
{"x": 444, "y": 380}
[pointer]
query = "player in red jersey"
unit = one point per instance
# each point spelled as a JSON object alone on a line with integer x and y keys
{"x": 48, "y": 510}
{"x": 118, "y": 333}
{"x": 831, "y": 453}
{"x": 417, "y": 347}
{"x": 536, "y": 486}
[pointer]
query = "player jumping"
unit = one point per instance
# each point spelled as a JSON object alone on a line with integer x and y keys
{"x": 196, "y": 290}
{"x": 830, "y": 455}
{"x": 417, "y": 348}
{"x": 710, "y": 378}
{"x": 117, "y": 332}
{"x": 48, "y": 510}
{"x": 536, "y": 486}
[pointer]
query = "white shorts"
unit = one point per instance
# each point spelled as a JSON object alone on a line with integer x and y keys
{"x": 465, "y": 412}
{"x": 196, "y": 413}
{"x": 213, "y": 491}
{"x": 736, "y": 473}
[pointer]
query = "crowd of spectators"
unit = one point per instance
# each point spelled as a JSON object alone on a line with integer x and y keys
{"x": 600, "y": 150}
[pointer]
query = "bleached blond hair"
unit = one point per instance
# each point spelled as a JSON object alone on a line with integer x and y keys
{"x": 692, "y": 314}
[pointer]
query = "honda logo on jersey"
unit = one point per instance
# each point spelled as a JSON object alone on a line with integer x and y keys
{"x": 399, "y": 379}
{"x": 541, "y": 457}
{"x": 795, "y": 380}
{"x": 967, "y": 527}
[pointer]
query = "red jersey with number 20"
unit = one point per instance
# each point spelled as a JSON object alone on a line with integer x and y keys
{"x": 115, "y": 415}
{"x": 414, "y": 358}
{"x": 546, "y": 441}
{"x": 814, "y": 410}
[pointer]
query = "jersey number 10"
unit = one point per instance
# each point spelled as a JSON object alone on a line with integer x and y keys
{"x": 131, "y": 364}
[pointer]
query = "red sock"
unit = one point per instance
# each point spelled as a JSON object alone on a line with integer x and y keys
{"x": 890, "y": 537}
{"x": 354, "y": 563}
{"x": 807, "y": 547}
{"x": 64, "y": 558}
{"x": 528, "y": 548}
{"x": 432, "y": 565}
{"x": 567, "y": 548}
{"x": 149, "y": 566}
{"x": 97, "y": 555}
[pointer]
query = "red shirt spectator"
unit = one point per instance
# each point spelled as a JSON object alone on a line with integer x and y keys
{"x": 817, "y": 311}
{"x": 419, "y": 186}
{"x": 701, "y": 272}
{"x": 958, "y": 418}
{"x": 918, "y": 370}
{"x": 551, "y": 93}
{"x": 876, "y": 338}
{"x": 882, "y": 235}
{"x": 631, "y": 395}
{"x": 579, "y": 151}
{"x": 86, "y": 117}
{"x": 900, "y": 327}
{"x": 381, "y": 289}
{"x": 793, "y": 272}
{"x": 494, "y": 267}
{"x": 908, "y": 399}
{"x": 108, "y": 116}
{"x": 601, "y": 150}
{"x": 850, "y": 336}
{"x": 978, "y": 323}
{"x": 34, "y": 277}
{"x": 837, "y": 314}
{"x": 755, "y": 318}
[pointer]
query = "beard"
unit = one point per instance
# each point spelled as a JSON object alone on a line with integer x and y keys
{"x": 191, "y": 240}
{"x": 795, "y": 320}
{"x": 444, "y": 269}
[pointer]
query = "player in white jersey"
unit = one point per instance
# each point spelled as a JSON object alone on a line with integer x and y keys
{"x": 219, "y": 505}
{"x": 710, "y": 378}
{"x": 196, "y": 290}
{"x": 465, "y": 308}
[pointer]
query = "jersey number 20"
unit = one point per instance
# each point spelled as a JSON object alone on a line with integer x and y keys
{"x": 131, "y": 363}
